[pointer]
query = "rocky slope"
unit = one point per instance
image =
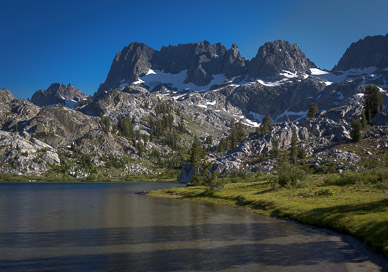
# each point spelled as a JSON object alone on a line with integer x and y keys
{"x": 67, "y": 95}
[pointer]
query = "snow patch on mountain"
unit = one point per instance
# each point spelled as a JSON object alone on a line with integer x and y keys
{"x": 251, "y": 123}
{"x": 341, "y": 75}
{"x": 154, "y": 78}
{"x": 287, "y": 113}
{"x": 256, "y": 116}
{"x": 289, "y": 74}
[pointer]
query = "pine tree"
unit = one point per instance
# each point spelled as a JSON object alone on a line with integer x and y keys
{"x": 301, "y": 153}
{"x": 313, "y": 110}
{"x": 265, "y": 124}
{"x": 241, "y": 134}
{"x": 368, "y": 116}
{"x": 355, "y": 133}
{"x": 181, "y": 124}
{"x": 105, "y": 123}
{"x": 209, "y": 140}
{"x": 221, "y": 146}
{"x": 196, "y": 154}
{"x": 125, "y": 127}
{"x": 275, "y": 148}
{"x": 364, "y": 121}
{"x": 373, "y": 101}
{"x": 294, "y": 145}
{"x": 140, "y": 148}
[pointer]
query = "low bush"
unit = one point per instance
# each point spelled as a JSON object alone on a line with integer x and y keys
{"x": 290, "y": 176}
{"x": 325, "y": 192}
{"x": 378, "y": 178}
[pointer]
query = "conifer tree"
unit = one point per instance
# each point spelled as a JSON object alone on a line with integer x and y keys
{"x": 294, "y": 145}
{"x": 221, "y": 146}
{"x": 364, "y": 121}
{"x": 355, "y": 133}
{"x": 196, "y": 154}
{"x": 368, "y": 116}
{"x": 125, "y": 127}
{"x": 301, "y": 153}
{"x": 275, "y": 148}
{"x": 105, "y": 123}
{"x": 313, "y": 110}
{"x": 267, "y": 122}
{"x": 373, "y": 101}
{"x": 209, "y": 140}
{"x": 241, "y": 134}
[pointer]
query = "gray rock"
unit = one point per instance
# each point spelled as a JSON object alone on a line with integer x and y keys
{"x": 6, "y": 96}
{"x": 20, "y": 156}
{"x": 274, "y": 57}
{"x": 344, "y": 155}
{"x": 201, "y": 60}
{"x": 186, "y": 175}
{"x": 367, "y": 52}
{"x": 58, "y": 94}
{"x": 381, "y": 119}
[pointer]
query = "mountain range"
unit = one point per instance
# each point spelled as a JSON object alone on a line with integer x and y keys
{"x": 193, "y": 89}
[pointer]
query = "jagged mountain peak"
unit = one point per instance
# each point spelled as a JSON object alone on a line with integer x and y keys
{"x": 274, "y": 57}
{"x": 191, "y": 64}
{"x": 201, "y": 65}
{"x": 371, "y": 51}
{"x": 58, "y": 93}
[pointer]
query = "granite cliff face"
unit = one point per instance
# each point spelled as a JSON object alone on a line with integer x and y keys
{"x": 276, "y": 57}
{"x": 199, "y": 62}
{"x": 58, "y": 94}
{"x": 367, "y": 52}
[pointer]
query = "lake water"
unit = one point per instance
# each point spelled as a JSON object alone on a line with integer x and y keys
{"x": 106, "y": 227}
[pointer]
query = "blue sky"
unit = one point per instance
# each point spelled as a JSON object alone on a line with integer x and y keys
{"x": 43, "y": 42}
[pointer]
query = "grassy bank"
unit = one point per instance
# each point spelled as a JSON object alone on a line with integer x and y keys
{"x": 358, "y": 210}
{"x": 165, "y": 177}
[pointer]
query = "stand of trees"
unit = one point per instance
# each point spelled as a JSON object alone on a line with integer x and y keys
{"x": 237, "y": 134}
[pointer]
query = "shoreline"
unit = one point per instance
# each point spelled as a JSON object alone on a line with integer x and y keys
{"x": 378, "y": 242}
{"x": 9, "y": 178}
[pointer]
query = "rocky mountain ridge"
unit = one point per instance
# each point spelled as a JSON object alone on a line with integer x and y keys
{"x": 372, "y": 51}
{"x": 58, "y": 94}
{"x": 201, "y": 65}
{"x": 280, "y": 80}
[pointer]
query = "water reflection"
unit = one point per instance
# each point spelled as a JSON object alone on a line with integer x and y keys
{"x": 105, "y": 227}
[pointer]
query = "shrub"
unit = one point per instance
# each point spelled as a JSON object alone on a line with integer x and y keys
{"x": 379, "y": 178}
{"x": 325, "y": 192}
{"x": 290, "y": 176}
{"x": 213, "y": 183}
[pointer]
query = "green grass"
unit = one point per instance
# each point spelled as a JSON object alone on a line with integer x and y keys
{"x": 361, "y": 211}
{"x": 166, "y": 176}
